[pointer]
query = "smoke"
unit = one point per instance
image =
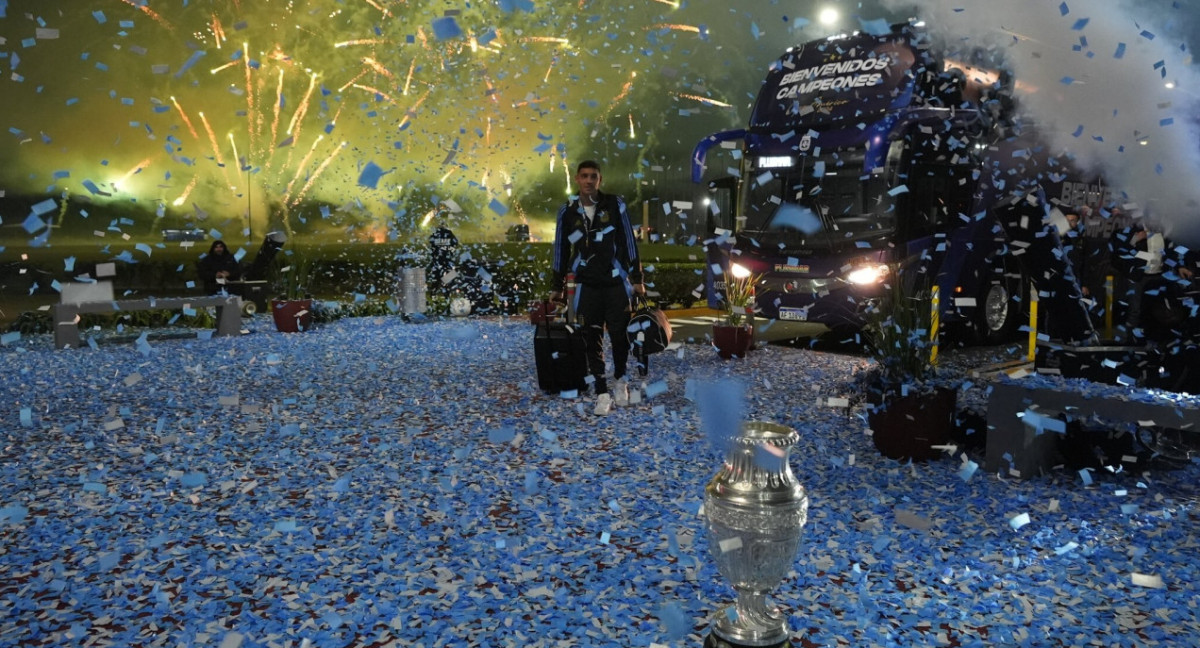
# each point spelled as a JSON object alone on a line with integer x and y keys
{"x": 1094, "y": 76}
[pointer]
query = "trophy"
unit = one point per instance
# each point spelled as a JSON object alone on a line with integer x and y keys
{"x": 756, "y": 511}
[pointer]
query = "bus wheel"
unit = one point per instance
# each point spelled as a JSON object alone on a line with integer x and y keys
{"x": 996, "y": 319}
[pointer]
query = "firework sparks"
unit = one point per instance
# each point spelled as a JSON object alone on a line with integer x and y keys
{"x": 675, "y": 27}
{"x": 703, "y": 100}
{"x": 378, "y": 67}
{"x": 621, "y": 95}
{"x": 546, "y": 39}
{"x": 300, "y": 167}
{"x": 223, "y": 67}
{"x": 412, "y": 112}
{"x": 351, "y": 82}
{"x": 212, "y": 139}
{"x": 217, "y": 30}
{"x": 187, "y": 191}
{"x": 360, "y": 41}
{"x": 408, "y": 79}
{"x": 216, "y": 148}
{"x": 383, "y": 10}
{"x": 251, "y": 112}
{"x": 316, "y": 174}
{"x": 303, "y": 108}
{"x": 428, "y": 217}
{"x": 137, "y": 168}
{"x": 153, "y": 16}
{"x": 306, "y": 81}
{"x": 276, "y": 108}
{"x": 377, "y": 92}
{"x": 236, "y": 157}
{"x": 186, "y": 120}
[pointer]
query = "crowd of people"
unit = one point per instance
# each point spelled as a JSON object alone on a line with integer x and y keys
{"x": 1152, "y": 276}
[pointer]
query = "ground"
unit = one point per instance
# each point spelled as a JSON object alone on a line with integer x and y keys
{"x": 378, "y": 483}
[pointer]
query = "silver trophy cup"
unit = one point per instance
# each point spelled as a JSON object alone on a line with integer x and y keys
{"x": 756, "y": 511}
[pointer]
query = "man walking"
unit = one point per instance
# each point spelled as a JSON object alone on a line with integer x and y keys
{"x": 594, "y": 240}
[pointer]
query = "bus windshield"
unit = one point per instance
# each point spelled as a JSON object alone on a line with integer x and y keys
{"x": 826, "y": 201}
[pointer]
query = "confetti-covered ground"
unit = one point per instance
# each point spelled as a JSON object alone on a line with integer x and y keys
{"x": 376, "y": 483}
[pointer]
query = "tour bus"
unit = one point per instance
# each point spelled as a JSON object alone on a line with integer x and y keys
{"x": 867, "y": 153}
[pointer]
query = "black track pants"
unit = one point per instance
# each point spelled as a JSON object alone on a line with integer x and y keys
{"x": 600, "y": 308}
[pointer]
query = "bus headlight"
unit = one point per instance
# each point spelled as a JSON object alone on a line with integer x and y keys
{"x": 868, "y": 274}
{"x": 738, "y": 270}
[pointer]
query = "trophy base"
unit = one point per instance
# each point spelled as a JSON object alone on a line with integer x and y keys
{"x": 713, "y": 641}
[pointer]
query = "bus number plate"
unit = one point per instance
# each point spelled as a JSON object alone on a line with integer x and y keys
{"x": 793, "y": 314}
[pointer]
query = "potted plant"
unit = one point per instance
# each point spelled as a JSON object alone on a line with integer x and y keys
{"x": 293, "y": 309}
{"x": 908, "y": 413}
{"x": 733, "y": 334}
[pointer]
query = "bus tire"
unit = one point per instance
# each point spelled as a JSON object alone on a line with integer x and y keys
{"x": 998, "y": 314}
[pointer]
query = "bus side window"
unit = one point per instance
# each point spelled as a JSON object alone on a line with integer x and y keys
{"x": 944, "y": 192}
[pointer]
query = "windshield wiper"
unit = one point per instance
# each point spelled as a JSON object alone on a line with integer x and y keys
{"x": 826, "y": 220}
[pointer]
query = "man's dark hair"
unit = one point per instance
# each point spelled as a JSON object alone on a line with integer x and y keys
{"x": 588, "y": 164}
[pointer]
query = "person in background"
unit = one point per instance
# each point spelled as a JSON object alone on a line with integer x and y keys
{"x": 216, "y": 267}
{"x": 443, "y": 259}
{"x": 1150, "y": 263}
{"x": 594, "y": 239}
{"x": 1077, "y": 252}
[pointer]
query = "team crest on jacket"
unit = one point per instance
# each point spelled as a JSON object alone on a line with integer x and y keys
{"x": 603, "y": 217}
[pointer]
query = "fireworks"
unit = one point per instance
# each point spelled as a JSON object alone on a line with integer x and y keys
{"x": 387, "y": 82}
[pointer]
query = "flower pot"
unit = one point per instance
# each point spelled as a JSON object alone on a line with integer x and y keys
{"x": 732, "y": 341}
{"x": 906, "y": 427}
{"x": 292, "y": 315}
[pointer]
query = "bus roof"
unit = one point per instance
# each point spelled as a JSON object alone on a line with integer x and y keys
{"x": 841, "y": 82}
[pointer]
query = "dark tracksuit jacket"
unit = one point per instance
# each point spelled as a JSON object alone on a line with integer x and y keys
{"x": 603, "y": 255}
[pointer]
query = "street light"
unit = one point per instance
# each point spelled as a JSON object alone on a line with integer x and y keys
{"x": 828, "y": 16}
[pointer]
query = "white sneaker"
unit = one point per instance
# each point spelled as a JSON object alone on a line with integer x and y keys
{"x": 621, "y": 393}
{"x": 603, "y": 405}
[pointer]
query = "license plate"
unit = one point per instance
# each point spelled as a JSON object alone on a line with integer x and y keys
{"x": 793, "y": 314}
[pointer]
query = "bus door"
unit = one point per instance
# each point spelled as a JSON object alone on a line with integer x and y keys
{"x": 720, "y": 203}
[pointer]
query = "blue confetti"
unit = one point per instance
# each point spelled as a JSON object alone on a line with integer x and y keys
{"x": 370, "y": 175}
{"x": 13, "y": 514}
{"x": 45, "y": 207}
{"x": 722, "y": 410}
{"x": 446, "y": 28}
{"x": 502, "y": 435}
{"x": 876, "y": 27}
{"x": 675, "y": 621}
{"x": 33, "y": 223}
